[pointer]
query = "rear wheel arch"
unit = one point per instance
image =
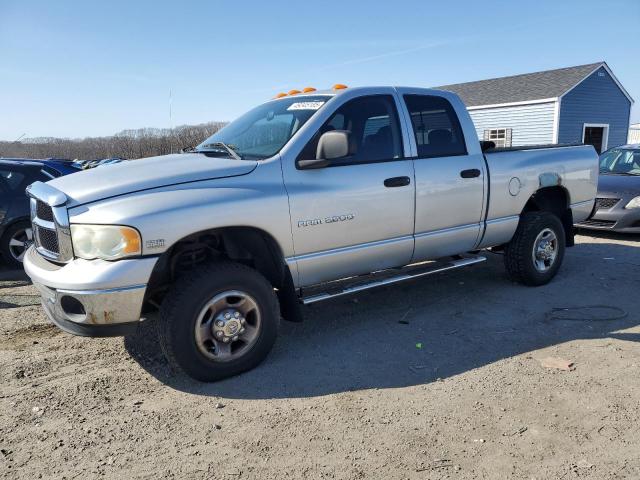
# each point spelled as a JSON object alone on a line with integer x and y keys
{"x": 549, "y": 199}
{"x": 556, "y": 200}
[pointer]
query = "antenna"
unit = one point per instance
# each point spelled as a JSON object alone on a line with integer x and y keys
{"x": 170, "y": 123}
{"x": 170, "y": 101}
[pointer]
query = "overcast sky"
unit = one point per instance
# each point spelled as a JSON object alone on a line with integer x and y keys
{"x": 75, "y": 69}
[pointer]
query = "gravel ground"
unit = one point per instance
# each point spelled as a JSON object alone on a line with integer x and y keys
{"x": 439, "y": 378}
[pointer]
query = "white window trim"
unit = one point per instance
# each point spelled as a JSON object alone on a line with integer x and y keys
{"x": 605, "y": 133}
{"x": 556, "y": 122}
{"x": 508, "y": 134}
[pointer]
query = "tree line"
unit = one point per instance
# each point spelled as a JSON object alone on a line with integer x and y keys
{"x": 128, "y": 144}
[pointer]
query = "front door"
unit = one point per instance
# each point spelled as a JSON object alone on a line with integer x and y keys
{"x": 450, "y": 179}
{"x": 355, "y": 216}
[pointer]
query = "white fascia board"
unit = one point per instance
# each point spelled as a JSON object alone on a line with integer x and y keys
{"x": 556, "y": 121}
{"x": 513, "y": 104}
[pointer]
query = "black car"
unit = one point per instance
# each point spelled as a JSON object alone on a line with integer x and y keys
{"x": 618, "y": 200}
{"x": 15, "y": 225}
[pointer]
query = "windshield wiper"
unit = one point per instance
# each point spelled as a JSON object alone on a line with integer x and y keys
{"x": 228, "y": 148}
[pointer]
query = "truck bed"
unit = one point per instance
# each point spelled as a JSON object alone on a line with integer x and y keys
{"x": 516, "y": 173}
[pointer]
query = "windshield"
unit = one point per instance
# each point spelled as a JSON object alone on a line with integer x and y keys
{"x": 620, "y": 161}
{"x": 263, "y": 131}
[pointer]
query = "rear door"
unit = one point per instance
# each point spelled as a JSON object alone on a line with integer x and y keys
{"x": 450, "y": 176}
{"x": 355, "y": 216}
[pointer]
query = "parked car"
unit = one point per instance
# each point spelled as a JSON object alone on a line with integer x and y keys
{"x": 305, "y": 198}
{"x": 618, "y": 201}
{"x": 85, "y": 164}
{"x": 15, "y": 225}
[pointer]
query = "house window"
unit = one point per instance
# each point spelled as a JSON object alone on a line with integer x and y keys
{"x": 500, "y": 136}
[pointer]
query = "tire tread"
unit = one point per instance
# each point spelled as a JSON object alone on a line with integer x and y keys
{"x": 517, "y": 251}
{"x": 188, "y": 283}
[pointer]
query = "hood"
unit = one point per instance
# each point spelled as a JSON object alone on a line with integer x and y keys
{"x": 153, "y": 172}
{"x": 619, "y": 184}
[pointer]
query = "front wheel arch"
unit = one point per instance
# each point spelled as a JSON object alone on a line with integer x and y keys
{"x": 249, "y": 246}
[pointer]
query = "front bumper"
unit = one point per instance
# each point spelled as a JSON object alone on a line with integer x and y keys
{"x": 617, "y": 219}
{"x": 91, "y": 298}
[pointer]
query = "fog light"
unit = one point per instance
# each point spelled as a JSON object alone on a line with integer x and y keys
{"x": 73, "y": 308}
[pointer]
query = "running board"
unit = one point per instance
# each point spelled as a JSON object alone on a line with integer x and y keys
{"x": 358, "y": 284}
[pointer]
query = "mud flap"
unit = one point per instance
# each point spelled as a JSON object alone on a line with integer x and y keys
{"x": 569, "y": 229}
{"x": 289, "y": 304}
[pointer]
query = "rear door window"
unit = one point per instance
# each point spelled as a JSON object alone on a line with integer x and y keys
{"x": 435, "y": 126}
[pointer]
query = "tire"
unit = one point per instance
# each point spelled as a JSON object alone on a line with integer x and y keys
{"x": 195, "y": 299}
{"x": 536, "y": 229}
{"x": 12, "y": 252}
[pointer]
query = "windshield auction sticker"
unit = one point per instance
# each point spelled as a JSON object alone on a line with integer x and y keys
{"x": 305, "y": 106}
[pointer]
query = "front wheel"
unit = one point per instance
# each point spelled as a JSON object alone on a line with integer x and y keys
{"x": 15, "y": 242}
{"x": 218, "y": 321}
{"x": 535, "y": 253}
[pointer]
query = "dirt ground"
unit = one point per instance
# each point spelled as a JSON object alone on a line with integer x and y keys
{"x": 439, "y": 378}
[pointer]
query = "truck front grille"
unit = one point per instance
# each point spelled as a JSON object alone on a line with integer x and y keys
{"x": 50, "y": 220}
{"x": 48, "y": 239}
{"x": 606, "y": 203}
{"x": 44, "y": 211}
{"x": 598, "y": 223}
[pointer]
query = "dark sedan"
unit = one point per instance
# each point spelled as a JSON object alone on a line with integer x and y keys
{"x": 15, "y": 224}
{"x": 618, "y": 201}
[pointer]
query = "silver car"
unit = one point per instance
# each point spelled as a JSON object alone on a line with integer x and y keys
{"x": 618, "y": 200}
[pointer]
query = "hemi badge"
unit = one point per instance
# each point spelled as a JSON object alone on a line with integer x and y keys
{"x": 158, "y": 243}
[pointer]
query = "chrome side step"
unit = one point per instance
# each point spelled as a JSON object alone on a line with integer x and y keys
{"x": 358, "y": 284}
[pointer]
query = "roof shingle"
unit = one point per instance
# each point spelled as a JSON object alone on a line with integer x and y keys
{"x": 521, "y": 88}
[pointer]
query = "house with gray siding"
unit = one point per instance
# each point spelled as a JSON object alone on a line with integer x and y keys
{"x": 582, "y": 104}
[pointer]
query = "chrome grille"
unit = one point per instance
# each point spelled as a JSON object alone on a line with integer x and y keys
{"x": 47, "y": 239}
{"x": 598, "y": 223}
{"x": 52, "y": 234}
{"x": 606, "y": 203}
{"x": 44, "y": 211}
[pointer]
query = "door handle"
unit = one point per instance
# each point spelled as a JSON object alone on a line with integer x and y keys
{"x": 471, "y": 173}
{"x": 397, "y": 182}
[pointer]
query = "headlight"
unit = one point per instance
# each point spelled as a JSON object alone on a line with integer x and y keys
{"x": 634, "y": 203}
{"x": 108, "y": 242}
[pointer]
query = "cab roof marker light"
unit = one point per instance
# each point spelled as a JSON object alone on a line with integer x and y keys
{"x": 294, "y": 92}
{"x": 280, "y": 95}
{"x": 308, "y": 89}
{"x": 339, "y": 86}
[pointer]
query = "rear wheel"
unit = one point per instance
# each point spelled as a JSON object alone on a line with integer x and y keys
{"x": 535, "y": 253}
{"x": 218, "y": 321}
{"x": 15, "y": 243}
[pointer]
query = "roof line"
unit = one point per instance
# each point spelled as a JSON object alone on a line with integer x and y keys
{"x": 606, "y": 67}
{"x": 520, "y": 74}
{"x": 513, "y": 104}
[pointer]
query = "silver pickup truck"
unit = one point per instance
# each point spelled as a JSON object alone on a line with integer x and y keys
{"x": 312, "y": 195}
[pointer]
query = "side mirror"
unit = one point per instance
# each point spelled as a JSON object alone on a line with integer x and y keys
{"x": 331, "y": 145}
